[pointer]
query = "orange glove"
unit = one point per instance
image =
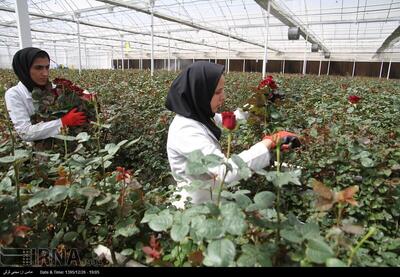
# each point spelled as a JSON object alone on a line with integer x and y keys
{"x": 73, "y": 118}
{"x": 288, "y": 140}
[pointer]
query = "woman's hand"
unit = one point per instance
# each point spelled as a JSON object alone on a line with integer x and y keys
{"x": 288, "y": 140}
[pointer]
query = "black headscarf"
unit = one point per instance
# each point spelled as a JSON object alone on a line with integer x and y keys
{"x": 22, "y": 63}
{"x": 191, "y": 92}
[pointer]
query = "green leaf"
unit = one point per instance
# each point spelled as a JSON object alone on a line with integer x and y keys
{"x": 132, "y": 142}
{"x": 283, "y": 178}
{"x": 94, "y": 219}
{"x": 243, "y": 169}
{"x": 264, "y": 199}
{"x": 309, "y": 230}
{"x": 37, "y": 198}
{"x": 246, "y": 260}
{"x": 105, "y": 200}
{"x": 5, "y": 184}
{"x": 207, "y": 228}
{"x": 220, "y": 253}
{"x": 126, "y": 228}
{"x": 82, "y": 137}
{"x": 111, "y": 148}
{"x": 233, "y": 219}
{"x": 127, "y": 252}
{"x": 313, "y": 132}
{"x": 367, "y": 162}
{"x": 70, "y": 236}
{"x": 89, "y": 192}
{"x": 291, "y": 235}
{"x": 67, "y": 138}
{"x": 107, "y": 164}
{"x": 122, "y": 142}
{"x": 161, "y": 222}
{"x": 249, "y": 256}
{"x": 242, "y": 200}
{"x": 318, "y": 251}
{"x": 19, "y": 156}
{"x": 334, "y": 262}
{"x": 58, "y": 193}
{"x": 179, "y": 231}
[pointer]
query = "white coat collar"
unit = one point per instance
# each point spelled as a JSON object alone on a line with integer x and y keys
{"x": 24, "y": 90}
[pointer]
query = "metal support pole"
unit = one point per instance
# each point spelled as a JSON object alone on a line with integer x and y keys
{"x": 9, "y": 55}
{"x": 141, "y": 58}
{"x": 229, "y": 51}
{"x": 122, "y": 52}
{"x": 66, "y": 58}
{"x": 265, "y": 60}
{"x": 175, "y": 65}
{"x": 329, "y": 66}
{"x": 388, "y": 74}
{"x": 86, "y": 56}
{"x": 216, "y": 55}
{"x": 244, "y": 65}
{"x": 55, "y": 53}
{"x": 24, "y": 27}
{"x": 284, "y": 64}
{"x": 305, "y": 59}
{"x": 380, "y": 72}
{"x": 79, "y": 47}
{"x": 152, "y": 37}
{"x": 319, "y": 69}
{"x": 354, "y": 68}
{"x": 169, "y": 51}
{"x": 112, "y": 57}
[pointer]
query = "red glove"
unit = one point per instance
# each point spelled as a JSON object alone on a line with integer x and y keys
{"x": 73, "y": 118}
{"x": 287, "y": 139}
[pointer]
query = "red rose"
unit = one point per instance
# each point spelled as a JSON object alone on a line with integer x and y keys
{"x": 269, "y": 81}
{"x": 229, "y": 120}
{"x": 353, "y": 99}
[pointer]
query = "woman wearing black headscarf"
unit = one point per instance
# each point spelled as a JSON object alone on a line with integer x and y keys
{"x": 195, "y": 96}
{"x": 31, "y": 65}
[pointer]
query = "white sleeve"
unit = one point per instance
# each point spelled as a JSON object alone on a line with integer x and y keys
{"x": 239, "y": 114}
{"x": 22, "y": 123}
{"x": 256, "y": 157}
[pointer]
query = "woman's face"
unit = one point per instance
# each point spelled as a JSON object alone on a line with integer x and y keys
{"x": 219, "y": 97}
{"x": 39, "y": 71}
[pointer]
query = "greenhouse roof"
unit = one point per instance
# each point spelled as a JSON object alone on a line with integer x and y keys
{"x": 346, "y": 29}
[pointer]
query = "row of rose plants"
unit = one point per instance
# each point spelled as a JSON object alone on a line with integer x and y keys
{"x": 348, "y": 150}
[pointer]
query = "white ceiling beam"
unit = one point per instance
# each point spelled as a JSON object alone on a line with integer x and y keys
{"x": 87, "y": 23}
{"x": 184, "y": 22}
{"x": 285, "y": 18}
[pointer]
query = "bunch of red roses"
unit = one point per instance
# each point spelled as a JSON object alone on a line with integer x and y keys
{"x": 269, "y": 87}
{"x": 60, "y": 97}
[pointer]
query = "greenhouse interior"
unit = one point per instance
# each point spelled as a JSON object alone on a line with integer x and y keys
{"x": 197, "y": 133}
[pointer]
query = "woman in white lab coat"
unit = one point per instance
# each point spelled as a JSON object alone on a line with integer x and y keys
{"x": 31, "y": 65}
{"x": 195, "y": 96}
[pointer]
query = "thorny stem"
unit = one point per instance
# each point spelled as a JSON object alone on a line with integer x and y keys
{"x": 229, "y": 145}
{"x": 226, "y": 167}
{"x": 15, "y": 164}
{"x": 339, "y": 216}
{"x": 221, "y": 187}
{"x": 16, "y": 172}
{"x": 354, "y": 250}
{"x": 98, "y": 135}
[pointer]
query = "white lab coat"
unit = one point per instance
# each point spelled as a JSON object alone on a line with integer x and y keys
{"x": 186, "y": 135}
{"x": 20, "y": 107}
